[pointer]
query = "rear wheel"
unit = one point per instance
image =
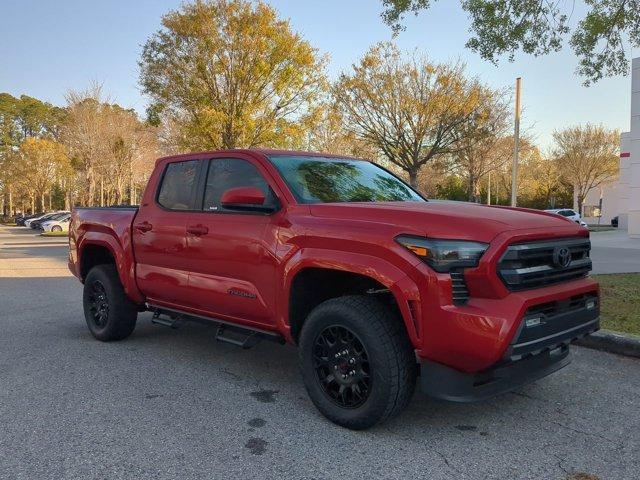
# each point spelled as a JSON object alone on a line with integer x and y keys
{"x": 358, "y": 365}
{"x": 109, "y": 313}
{"x": 56, "y": 228}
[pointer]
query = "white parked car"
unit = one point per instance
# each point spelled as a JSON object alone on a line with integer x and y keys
{"x": 568, "y": 213}
{"x": 27, "y": 223}
{"x": 57, "y": 225}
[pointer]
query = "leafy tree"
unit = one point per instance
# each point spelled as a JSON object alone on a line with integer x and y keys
{"x": 410, "y": 109}
{"x": 452, "y": 187}
{"x": 587, "y": 156}
{"x": 230, "y": 74}
{"x": 41, "y": 163}
{"x": 538, "y": 27}
{"x": 22, "y": 118}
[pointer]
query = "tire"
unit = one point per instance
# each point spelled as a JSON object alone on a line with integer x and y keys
{"x": 385, "y": 374}
{"x": 109, "y": 313}
{"x": 56, "y": 228}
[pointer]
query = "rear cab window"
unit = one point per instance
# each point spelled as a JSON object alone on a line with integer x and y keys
{"x": 178, "y": 186}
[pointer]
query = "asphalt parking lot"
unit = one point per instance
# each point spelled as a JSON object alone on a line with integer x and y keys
{"x": 176, "y": 404}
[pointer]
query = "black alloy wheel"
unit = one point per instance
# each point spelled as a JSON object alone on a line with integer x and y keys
{"x": 109, "y": 313}
{"x": 342, "y": 366}
{"x": 98, "y": 304}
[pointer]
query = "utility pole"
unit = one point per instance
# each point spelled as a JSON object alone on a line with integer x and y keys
{"x": 516, "y": 147}
{"x": 489, "y": 188}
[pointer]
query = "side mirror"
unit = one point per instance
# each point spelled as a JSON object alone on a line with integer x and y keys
{"x": 244, "y": 198}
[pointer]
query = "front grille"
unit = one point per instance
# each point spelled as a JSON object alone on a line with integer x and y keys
{"x": 534, "y": 264}
{"x": 459, "y": 290}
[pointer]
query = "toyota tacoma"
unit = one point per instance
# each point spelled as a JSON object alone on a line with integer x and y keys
{"x": 378, "y": 287}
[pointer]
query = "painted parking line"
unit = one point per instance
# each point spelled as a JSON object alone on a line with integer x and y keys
{"x": 34, "y": 245}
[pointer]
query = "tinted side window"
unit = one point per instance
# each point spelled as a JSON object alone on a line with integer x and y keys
{"x": 226, "y": 173}
{"x": 178, "y": 185}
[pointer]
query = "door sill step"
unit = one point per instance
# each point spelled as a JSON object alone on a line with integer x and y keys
{"x": 227, "y": 332}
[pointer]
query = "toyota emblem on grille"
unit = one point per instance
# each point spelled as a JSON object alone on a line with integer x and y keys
{"x": 561, "y": 257}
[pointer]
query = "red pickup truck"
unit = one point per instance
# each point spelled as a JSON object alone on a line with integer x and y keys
{"x": 378, "y": 287}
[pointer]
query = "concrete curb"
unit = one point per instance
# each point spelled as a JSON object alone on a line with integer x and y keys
{"x": 612, "y": 342}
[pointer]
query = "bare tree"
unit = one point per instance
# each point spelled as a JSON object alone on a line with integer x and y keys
{"x": 410, "y": 109}
{"x": 480, "y": 149}
{"x": 112, "y": 149}
{"x": 83, "y": 135}
{"x": 587, "y": 156}
{"x": 332, "y": 135}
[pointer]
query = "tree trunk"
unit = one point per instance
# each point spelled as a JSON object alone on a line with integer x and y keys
{"x": 471, "y": 194}
{"x": 10, "y": 200}
{"x": 92, "y": 188}
{"x": 580, "y": 203}
{"x": 132, "y": 190}
{"x": 413, "y": 178}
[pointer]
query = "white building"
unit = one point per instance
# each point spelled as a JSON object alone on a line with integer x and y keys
{"x": 621, "y": 198}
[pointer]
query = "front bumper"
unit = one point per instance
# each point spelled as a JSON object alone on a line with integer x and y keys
{"x": 446, "y": 383}
{"x": 528, "y": 358}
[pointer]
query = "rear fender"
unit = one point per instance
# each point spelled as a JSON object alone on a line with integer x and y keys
{"x": 122, "y": 254}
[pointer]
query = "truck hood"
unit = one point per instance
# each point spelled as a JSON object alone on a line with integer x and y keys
{"x": 445, "y": 219}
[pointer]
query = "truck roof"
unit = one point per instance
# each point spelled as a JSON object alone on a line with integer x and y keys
{"x": 262, "y": 151}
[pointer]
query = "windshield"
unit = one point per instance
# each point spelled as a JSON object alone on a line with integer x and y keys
{"x": 324, "y": 180}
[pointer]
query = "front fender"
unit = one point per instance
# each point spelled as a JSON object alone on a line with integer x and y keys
{"x": 404, "y": 290}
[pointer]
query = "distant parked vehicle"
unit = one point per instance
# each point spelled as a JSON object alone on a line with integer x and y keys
{"x": 28, "y": 222}
{"x": 22, "y": 219}
{"x": 568, "y": 213}
{"x": 35, "y": 222}
{"x": 60, "y": 224}
{"x": 614, "y": 222}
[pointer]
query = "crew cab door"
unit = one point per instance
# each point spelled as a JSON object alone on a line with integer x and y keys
{"x": 160, "y": 238}
{"x": 232, "y": 268}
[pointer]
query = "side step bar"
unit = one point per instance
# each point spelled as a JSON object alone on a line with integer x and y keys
{"x": 227, "y": 332}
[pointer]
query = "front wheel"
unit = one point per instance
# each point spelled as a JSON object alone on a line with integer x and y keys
{"x": 358, "y": 365}
{"x": 109, "y": 313}
{"x": 56, "y": 228}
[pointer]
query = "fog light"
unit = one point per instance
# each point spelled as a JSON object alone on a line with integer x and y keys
{"x": 533, "y": 322}
{"x": 591, "y": 304}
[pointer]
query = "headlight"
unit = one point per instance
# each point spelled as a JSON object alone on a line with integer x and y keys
{"x": 444, "y": 255}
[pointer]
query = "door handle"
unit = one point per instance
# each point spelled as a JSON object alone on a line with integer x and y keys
{"x": 143, "y": 227}
{"x": 197, "y": 230}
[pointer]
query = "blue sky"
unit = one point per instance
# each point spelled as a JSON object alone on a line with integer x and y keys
{"x": 49, "y": 47}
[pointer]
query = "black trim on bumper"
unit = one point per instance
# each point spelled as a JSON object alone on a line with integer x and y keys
{"x": 559, "y": 324}
{"x": 446, "y": 383}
